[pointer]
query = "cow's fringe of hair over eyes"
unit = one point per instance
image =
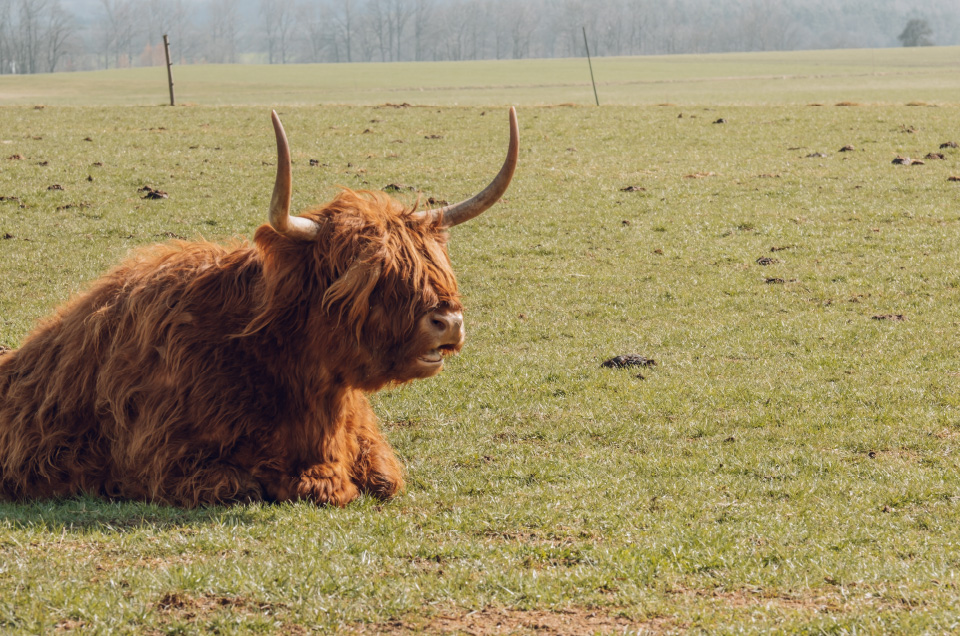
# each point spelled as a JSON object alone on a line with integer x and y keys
{"x": 195, "y": 373}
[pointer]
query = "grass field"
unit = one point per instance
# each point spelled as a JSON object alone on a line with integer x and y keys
{"x": 887, "y": 76}
{"x": 790, "y": 465}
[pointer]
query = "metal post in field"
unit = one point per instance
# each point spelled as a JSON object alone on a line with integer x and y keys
{"x": 166, "y": 51}
{"x": 593, "y": 81}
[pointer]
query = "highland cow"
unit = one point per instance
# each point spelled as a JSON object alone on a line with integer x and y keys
{"x": 197, "y": 374}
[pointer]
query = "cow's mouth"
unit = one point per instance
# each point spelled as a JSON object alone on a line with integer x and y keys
{"x": 431, "y": 357}
{"x": 434, "y": 357}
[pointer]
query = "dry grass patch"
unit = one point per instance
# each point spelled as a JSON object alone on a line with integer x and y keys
{"x": 567, "y": 622}
{"x": 947, "y": 433}
{"x": 555, "y": 539}
{"x": 841, "y": 599}
{"x": 117, "y": 561}
{"x": 747, "y": 598}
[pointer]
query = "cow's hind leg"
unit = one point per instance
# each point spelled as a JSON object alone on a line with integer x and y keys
{"x": 223, "y": 484}
{"x": 189, "y": 485}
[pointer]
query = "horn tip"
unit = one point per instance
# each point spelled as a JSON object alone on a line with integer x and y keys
{"x": 514, "y": 126}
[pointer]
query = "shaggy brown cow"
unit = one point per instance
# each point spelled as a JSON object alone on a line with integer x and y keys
{"x": 195, "y": 373}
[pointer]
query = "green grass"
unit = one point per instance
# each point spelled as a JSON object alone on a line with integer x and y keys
{"x": 891, "y": 76}
{"x": 790, "y": 464}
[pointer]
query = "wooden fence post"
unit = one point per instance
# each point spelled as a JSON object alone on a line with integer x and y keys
{"x": 166, "y": 50}
{"x": 592, "y": 81}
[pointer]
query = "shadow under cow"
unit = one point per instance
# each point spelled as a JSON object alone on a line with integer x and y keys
{"x": 87, "y": 513}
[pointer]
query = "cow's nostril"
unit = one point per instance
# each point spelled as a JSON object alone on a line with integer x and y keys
{"x": 445, "y": 325}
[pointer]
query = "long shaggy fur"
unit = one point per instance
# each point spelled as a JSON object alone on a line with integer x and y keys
{"x": 197, "y": 374}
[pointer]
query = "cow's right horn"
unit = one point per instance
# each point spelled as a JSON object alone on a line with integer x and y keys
{"x": 294, "y": 227}
{"x": 464, "y": 211}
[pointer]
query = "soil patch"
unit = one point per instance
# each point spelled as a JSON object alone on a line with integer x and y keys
{"x": 628, "y": 360}
{"x": 152, "y": 193}
{"x": 906, "y": 161}
{"x": 184, "y": 606}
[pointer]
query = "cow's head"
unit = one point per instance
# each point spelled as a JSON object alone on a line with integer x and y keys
{"x": 383, "y": 281}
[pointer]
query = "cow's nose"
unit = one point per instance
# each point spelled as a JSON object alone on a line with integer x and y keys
{"x": 447, "y": 326}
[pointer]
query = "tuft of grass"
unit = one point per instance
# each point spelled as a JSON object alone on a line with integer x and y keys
{"x": 789, "y": 464}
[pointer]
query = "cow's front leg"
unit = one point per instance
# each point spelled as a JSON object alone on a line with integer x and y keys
{"x": 327, "y": 483}
{"x": 377, "y": 470}
{"x": 321, "y": 483}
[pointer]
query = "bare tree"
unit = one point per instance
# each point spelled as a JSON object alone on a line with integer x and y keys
{"x": 422, "y": 13}
{"x": 34, "y": 35}
{"x": 500, "y": 27}
{"x": 376, "y": 20}
{"x": 279, "y": 19}
{"x": 568, "y": 27}
{"x": 399, "y": 13}
{"x": 520, "y": 31}
{"x": 366, "y": 41}
{"x": 455, "y": 22}
{"x": 184, "y": 45}
{"x": 224, "y": 30}
{"x": 57, "y": 35}
{"x": 610, "y": 28}
{"x": 316, "y": 30}
{"x": 30, "y": 15}
{"x": 159, "y": 24}
{"x": 173, "y": 18}
{"x": 7, "y": 63}
{"x": 342, "y": 12}
{"x": 476, "y": 32}
{"x": 120, "y": 28}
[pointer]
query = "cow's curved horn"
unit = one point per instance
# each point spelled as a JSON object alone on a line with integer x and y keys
{"x": 464, "y": 211}
{"x": 294, "y": 227}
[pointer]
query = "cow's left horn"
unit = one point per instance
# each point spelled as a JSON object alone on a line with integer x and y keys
{"x": 294, "y": 227}
{"x": 456, "y": 214}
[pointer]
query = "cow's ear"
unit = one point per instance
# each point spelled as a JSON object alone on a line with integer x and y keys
{"x": 349, "y": 295}
{"x": 286, "y": 277}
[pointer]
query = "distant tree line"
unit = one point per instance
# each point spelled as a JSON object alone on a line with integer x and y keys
{"x": 916, "y": 33}
{"x": 57, "y": 35}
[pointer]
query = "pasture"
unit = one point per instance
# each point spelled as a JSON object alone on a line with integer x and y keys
{"x": 890, "y": 76}
{"x": 790, "y": 464}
